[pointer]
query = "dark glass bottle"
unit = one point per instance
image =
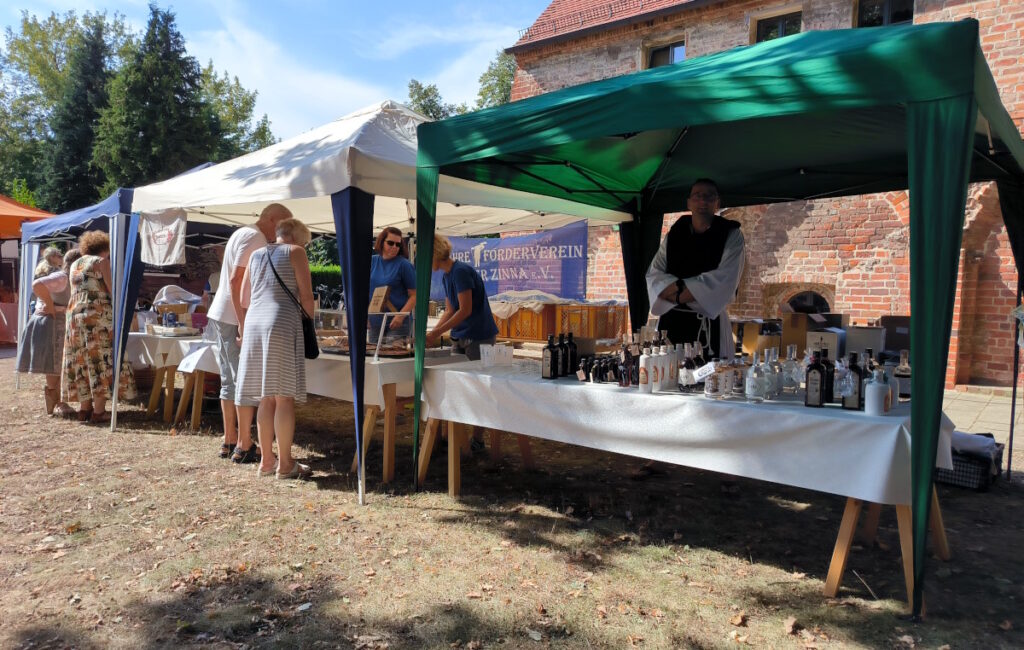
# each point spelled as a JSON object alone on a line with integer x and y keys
{"x": 549, "y": 359}
{"x": 687, "y": 384}
{"x": 869, "y": 361}
{"x": 815, "y": 379}
{"x": 830, "y": 376}
{"x": 626, "y": 365}
{"x": 698, "y": 362}
{"x": 585, "y": 367}
{"x": 563, "y": 356}
{"x": 573, "y": 354}
{"x": 855, "y": 400}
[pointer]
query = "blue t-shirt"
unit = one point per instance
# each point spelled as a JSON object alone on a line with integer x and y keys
{"x": 480, "y": 324}
{"x": 396, "y": 273}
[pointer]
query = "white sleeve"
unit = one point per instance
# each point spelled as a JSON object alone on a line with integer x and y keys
{"x": 658, "y": 279}
{"x": 714, "y": 290}
{"x": 247, "y": 246}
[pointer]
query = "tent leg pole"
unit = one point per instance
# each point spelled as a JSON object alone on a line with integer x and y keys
{"x": 1016, "y": 378}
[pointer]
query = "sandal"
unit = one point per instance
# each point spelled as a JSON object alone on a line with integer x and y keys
{"x": 246, "y": 456}
{"x": 299, "y": 471}
{"x": 266, "y": 473}
{"x": 226, "y": 449}
{"x": 100, "y": 418}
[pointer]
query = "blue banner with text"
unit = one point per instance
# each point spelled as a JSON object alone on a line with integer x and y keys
{"x": 553, "y": 261}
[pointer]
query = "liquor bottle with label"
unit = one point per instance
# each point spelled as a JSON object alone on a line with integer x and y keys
{"x": 573, "y": 354}
{"x": 830, "y": 376}
{"x": 869, "y": 361}
{"x": 780, "y": 373}
{"x": 687, "y": 383}
{"x": 769, "y": 375}
{"x": 585, "y": 367}
{"x": 677, "y": 358}
{"x": 755, "y": 382}
{"x": 699, "y": 362}
{"x": 792, "y": 371}
{"x": 563, "y": 356}
{"x": 645, "y": 371}
{"x": 739, "y": 375}
{"x": 713, "y": 382}
{"x": 663, "y": 364}
{"x": 549, "y": 359}
{"x": 815, "y": 382}
{"x": 902, "y": 373}
{"x": 854, "y": 401}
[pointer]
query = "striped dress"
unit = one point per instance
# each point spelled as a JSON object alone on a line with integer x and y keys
{"x": 272, "y": 362}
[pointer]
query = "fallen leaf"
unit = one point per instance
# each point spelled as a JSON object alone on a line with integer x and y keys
{"x": 1006, "y": 626}
{"x": 369, "y": 573}
{"x": 907, "y": 640}
{"x": 304, "y": 607}
{"x": 474, "y": 594}
{"x": 740, "y": 620}
{"x": 791, "y": 626}
{"x": 71, "y": 529}
{"x": 541, "y": 610}
{"x": 534, "y": 634}
{"x": 602, "y": 612}
{"x": 474, "y": 645}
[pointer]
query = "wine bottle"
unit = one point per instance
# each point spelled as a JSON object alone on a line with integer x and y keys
{"x": 815, "y": 382}
{"x": 830, "y": 376}
{"x": 573, "y": 354}
{"x": 563, "y": 356}
{"x": 686, "y": 368}
{"x": 902, "y": 372}
{"x": 549, "y": 359}
{"x": 855, "y": 400}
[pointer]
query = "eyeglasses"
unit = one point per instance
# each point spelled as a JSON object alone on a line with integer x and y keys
{"x": 704, "y": 196}
{"x": 396, "y": 244}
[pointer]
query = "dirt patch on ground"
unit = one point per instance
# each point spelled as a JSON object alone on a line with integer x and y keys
{"x": 144, "y": 538}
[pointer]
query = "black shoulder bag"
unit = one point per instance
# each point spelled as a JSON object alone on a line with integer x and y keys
{"x": 311, "y": 349}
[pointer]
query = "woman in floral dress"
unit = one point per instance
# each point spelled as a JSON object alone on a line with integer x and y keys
{"x": 89, "y": 338}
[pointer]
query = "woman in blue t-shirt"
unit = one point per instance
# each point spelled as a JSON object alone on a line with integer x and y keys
{"x": 391, "y": 267}
{"x": 467, "y": 313}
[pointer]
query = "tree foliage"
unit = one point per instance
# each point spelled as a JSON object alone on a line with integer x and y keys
{"x": 71, "y": 180}
{"x": 496, "y": 81}
{"x": 427, "y": 100}
{"x": 233, "y": 107}
{"x": 157, "y": 124}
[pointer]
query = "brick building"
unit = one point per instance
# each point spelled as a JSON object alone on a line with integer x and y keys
{"x": 854, "y": 251}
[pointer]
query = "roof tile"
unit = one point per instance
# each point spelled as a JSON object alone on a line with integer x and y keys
{"x": 567, "y": 16}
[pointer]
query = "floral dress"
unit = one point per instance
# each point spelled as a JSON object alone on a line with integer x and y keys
{"x": 89, "y": 338}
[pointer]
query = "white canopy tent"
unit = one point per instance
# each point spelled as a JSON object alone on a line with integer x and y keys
{"x": 333, "y": 178}
{"x": 373, "y": 149}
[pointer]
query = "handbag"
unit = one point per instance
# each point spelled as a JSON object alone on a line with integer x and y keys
{"x": 310, "y": 347}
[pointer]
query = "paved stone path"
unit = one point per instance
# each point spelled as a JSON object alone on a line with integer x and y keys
{"x": 975, "y": 412}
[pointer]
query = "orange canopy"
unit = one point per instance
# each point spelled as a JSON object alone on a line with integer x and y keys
{"x": 13, "y": 214}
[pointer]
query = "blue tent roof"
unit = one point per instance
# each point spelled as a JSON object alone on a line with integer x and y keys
{"x": 120, "y": 202}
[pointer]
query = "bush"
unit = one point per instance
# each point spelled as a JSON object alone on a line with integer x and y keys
{"x": 329, "y": 275}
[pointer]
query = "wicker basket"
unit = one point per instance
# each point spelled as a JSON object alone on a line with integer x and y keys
{"x": 973, "y": 471}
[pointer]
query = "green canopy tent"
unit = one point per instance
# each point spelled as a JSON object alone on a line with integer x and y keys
{"x": 818, "y": 114}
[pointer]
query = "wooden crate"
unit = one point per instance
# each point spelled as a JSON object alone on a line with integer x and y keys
{"x": 528, "y": 325}
{"x": 592, "y": 321}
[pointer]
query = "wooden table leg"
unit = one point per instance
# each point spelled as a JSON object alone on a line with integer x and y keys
{"x": 939, "y": 530}
{"x": 455, "y": 434}
{"x": 495, "y": 451}
{"x": 904, "y": 521}
{"x": 169, "y": 373}
{"x": 427, "y": 448}
{"x": 869, "y": 529}
{"x": 369, "y": 422}
{"x": 841, "y": 553}
{"x": 197, "y": 398}
{"x": 186, "y": 393}
{"x": 465, "y": 439}
{"x": 390, "y": 423}
{"x": 154, "y": 395}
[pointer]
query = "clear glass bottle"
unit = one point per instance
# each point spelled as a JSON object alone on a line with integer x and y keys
{"x": 769, "y": 375}
{"x": 713, "y": 383}
{"x": 902, "y": 373}
{"x": 792, "y": 371}
{"x": 755, "y": 383}
{"x": 854, "y": 400}
{"x": 780, "y": 373}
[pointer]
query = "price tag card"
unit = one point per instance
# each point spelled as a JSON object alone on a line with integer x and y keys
{"x": 704, "y": 371}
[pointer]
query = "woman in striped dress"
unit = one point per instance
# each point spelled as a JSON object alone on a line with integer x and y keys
{"x": 272, "y": 365}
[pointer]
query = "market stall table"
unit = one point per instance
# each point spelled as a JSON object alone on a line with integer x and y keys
{"x": 163, "y": 353}
{"x": 849, "y": 453}
{"x": 385, "y": 379}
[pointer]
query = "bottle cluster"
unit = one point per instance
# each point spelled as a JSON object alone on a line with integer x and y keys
{"x": 559, "y": 359}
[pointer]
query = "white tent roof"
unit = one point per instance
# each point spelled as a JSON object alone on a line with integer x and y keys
{"x": 373, "y": 149}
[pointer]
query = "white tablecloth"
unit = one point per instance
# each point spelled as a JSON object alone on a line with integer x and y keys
{"x": 149, "y": 350}
{"x": 330, "y": 375}
{"x": 829, "y": 449}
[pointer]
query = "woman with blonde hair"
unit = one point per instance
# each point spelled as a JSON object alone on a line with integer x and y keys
{"x": 42, "y": 341}
{"x": 89, "y": 339}
{"x": 272, "y": 363}
{"x": 467, "y": 313}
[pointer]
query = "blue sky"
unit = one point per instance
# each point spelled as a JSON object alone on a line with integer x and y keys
{"x": 315, "y": 60}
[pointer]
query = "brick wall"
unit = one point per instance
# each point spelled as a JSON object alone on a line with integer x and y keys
{"x": 856, "y": 247}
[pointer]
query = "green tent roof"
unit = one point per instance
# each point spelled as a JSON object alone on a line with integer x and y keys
{"x": 813, "y": 115}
